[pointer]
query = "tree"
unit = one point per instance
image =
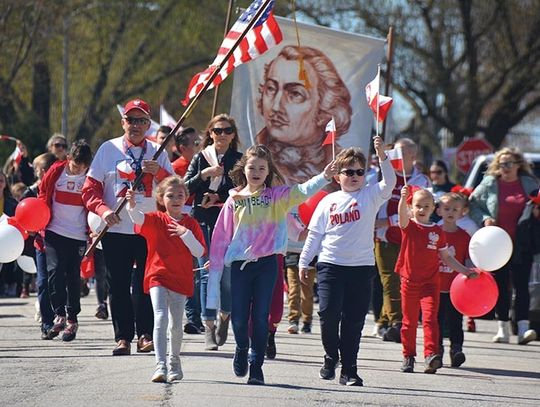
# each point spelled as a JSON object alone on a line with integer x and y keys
{"x": 472, "y": 67}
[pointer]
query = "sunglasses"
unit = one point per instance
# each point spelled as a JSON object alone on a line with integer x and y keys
{"x": 508, "y": 164}
{"x": 438, "y": 172}
{"x": 137, "y": 120}
{"x": 219, "y": 131}
{"x": 350, "y": 173}
{"x": 60, "y": 145}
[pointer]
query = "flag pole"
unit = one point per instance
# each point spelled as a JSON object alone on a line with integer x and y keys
{"x": 333, "y": 141}
{"x": 403, "y": 166}
{"x": 378, "y": 94}
{"x": 389, "y": 66}
{"x": 189, "y": 109}
{"x": 216, "y": 89}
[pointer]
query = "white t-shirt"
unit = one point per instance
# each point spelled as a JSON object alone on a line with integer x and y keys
{"x": 68, "y": 211}
{"x": 104, "y": 169}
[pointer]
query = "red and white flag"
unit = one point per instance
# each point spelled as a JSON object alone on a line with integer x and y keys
{"x": 263, "y": 36}
{"x": 374, "y": 98}
{"x": 125, "y": 171}
{"x": 16, "y": 155}
{"x": 330, "y": 133}
{"x": 396, "y": 158}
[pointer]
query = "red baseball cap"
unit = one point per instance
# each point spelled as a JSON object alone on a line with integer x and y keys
{"x": 137, "y": 104}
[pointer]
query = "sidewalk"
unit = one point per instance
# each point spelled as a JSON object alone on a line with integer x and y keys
{"x": 34, "y": 372}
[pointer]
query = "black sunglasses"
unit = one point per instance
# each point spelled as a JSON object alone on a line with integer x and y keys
{"x": 137, "y": 120}
{"x": 508, "y": 164}
{"x": 227, "y": 130}
{"x": 438, "y": 172}
{"x": 60, "y": 145}
{"x": 350, "y": 173}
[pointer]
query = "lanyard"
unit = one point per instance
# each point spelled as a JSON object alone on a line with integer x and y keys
{"x": 137, "y": 162}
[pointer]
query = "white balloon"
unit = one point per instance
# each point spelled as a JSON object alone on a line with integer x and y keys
{"x": 11, "y": 243}
{"x": 27, "y": 263}
{"x": 490, "y": 248}
{"x": 95, "y": 222}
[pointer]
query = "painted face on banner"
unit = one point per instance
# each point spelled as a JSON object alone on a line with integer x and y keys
{"x": 288, "y": 108}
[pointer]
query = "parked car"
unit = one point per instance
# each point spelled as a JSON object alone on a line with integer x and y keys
{"x": 480, "y": 164}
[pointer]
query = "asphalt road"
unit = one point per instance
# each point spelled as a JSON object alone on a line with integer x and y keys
{"x": 34, "y": 372}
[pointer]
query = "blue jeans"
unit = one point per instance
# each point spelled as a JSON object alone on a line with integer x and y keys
{"x": 251, "y": 290}
{"x": 208, "y": 314}
{"x": 42, "y": 282}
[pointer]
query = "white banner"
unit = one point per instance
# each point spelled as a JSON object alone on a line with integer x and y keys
{"x": 274, "y": 105}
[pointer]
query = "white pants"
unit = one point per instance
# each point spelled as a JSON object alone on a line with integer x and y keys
{"x": 167, "y": 305}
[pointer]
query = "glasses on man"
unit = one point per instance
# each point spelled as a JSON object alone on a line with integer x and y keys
{"x": 220, "y": 130}
{"x": 507, "y": 164}
{"x": 139, "y": 121}
{"x": 349, "y": 173}
{"x": 60, "y": 145}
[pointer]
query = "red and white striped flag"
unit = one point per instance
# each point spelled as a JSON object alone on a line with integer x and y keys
{"x": 396, "y": 158}
{"x": 125, "y": 171}
{"x": 374, "y": 97}
{"x": 16, "y": 155}
{"x": 263, "y": 36}
{"x": 330, "y": 133}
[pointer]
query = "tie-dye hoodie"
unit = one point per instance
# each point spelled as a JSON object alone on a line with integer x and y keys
{"x": 254, "y": 226}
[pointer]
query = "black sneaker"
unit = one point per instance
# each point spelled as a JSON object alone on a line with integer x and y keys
{"x": 393, "y": 334}
{"x": 191, "y": 328}
{"x": 349, "y": 377}
{"x": 256, "y": 376}
{"x": 271, "y": 346}
{"x": 102, "y": 312}
{"x": 240, "y": 362}
{"x": 432, "y": 363}
{"x": 408, "y": 364}
{"x": 457, "y": 358}
{"x": 306, "y": 328}
{"x": 328, "y": 369}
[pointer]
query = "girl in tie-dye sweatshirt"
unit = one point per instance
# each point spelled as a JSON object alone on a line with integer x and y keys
{"x": 251, "y": 229}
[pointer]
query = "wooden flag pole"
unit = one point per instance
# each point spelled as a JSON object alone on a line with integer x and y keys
{"x": 216, "y": 89}
{"x": 122, "y": 203}
{"x": 378, "y": 95}
{"x": 389, "y": 66}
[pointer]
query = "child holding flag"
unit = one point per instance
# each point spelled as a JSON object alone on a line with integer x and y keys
{"x": 341, "y": 233}
{"x": 172, "y": 238}
{"x": 423, "y": 244}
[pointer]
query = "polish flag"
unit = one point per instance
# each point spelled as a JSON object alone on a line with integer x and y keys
{"x": 330, "y": 133}
{"x": 374, "y": 98}
{"x": 396, "y": 158}
{"x": 125, "y": 171}
{"x": 16, "y": 155}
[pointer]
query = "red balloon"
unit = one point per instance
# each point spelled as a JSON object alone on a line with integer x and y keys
{"x": 474, "y": 297}
{"x": 13, "y": 222}
{"x": 32, "y": 214}
{"x": 305, "y": 210}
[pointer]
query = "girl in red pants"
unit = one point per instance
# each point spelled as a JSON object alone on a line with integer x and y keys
{"x": 423, "y": 243}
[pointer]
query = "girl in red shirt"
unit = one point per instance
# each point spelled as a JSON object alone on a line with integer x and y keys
{"x": 172, "y": 238}
{"x": 423, "y": 243}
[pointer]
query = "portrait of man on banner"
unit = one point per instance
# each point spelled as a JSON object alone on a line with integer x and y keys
{"x": 296, "y": 111}
{"x": 286, "y": 97}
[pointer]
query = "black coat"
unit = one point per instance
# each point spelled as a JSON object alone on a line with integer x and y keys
{"x": 197, "y": 186}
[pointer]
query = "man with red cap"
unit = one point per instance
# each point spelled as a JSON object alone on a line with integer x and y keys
{"x": 115, "y": 165}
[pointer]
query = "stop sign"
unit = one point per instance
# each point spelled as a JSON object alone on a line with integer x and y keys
{"x": 468, "y": 150}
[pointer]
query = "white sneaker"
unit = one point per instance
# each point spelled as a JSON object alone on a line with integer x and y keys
{"x": 503, "y": 334}
{"x": 293, "y": 328}
{"x": 175, "y": 372}
{"x": 378, "y": 331}
{"x": 525, "y": 335}
{"x": 160, "y": 375}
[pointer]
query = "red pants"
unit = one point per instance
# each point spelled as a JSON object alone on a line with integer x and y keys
{"x": 416, "y": 296}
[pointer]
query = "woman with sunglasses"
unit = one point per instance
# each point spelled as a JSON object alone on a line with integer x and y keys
{"x": 57, "y": 144}
{"x": 499, "y": 200}
{"x": 440, "y": 183}
{"x": 208, "y": 178}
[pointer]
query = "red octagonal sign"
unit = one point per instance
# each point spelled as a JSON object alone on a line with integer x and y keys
{"x": 468, "y": 150}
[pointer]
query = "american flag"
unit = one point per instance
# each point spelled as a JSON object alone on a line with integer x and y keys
{"x": 263, "y": 36}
